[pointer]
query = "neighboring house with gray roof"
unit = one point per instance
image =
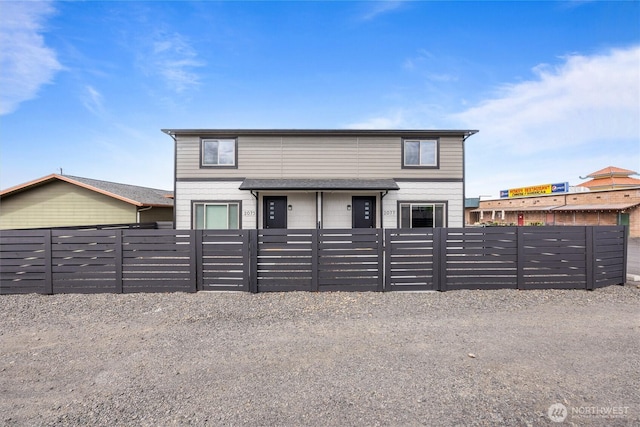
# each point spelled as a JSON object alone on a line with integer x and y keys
{"x": 68, "y": 201}
{"x": 270, "y": 178}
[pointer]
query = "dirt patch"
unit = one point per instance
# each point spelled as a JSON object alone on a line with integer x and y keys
{"x": 455, "y": 358}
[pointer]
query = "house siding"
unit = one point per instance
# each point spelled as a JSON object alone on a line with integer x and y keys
{"x": 60, "y": 204}
{"x": 207, "y": 191}
{"x": 324, "y": 157}
{"x": 334, "y": 212}
{"x": 449, "y": 192}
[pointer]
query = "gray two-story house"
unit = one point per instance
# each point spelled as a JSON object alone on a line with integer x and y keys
{"x": 274, "y": 178}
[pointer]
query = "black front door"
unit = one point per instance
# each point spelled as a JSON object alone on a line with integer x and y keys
{"x": 275, "y": 212}
{"x": 364, "y": 212}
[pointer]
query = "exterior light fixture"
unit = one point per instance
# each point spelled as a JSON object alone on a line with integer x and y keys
{"x": 290, "y": 207}
{"x": 348, "y": 207}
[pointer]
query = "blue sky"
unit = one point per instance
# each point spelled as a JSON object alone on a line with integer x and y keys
{"x": 553, "y": 87}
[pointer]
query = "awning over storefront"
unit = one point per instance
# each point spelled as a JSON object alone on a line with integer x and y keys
{"x": 597, "y": 207}
{"x": 517, "y": 209}
{"x": 565, "y": 208}
{"x": 319, "y": 184}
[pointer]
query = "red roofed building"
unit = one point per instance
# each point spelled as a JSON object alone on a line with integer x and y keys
{"x": 610, "y": 178}
{"x": 611, "y": 197}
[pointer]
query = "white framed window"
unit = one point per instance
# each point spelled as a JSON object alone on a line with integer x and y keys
{"x": 219, "y": 152}
{"x": 422, "y": 215}
{"x": 420, "y": 153}
{"x": 216, "y": 215}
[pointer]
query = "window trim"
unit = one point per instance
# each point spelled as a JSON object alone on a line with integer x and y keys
{"x": 419, "y": 166}
{"x": 216, "y": 202}
{"x": 444, "y": 203}
{"x": 203, "y": 165}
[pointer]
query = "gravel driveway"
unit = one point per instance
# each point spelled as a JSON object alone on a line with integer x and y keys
{"x": 455, "y": 358}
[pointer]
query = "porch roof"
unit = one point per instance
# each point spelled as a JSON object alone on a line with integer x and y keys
{"x": 319, "y": 184}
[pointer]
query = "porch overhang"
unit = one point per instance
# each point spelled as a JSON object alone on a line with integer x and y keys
{"x": 319, "y": 184}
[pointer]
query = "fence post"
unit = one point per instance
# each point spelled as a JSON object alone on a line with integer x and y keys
{"x": 315, "y": 259}
{"x": 386, "y": 286}
{"x": 253, "y": 261}
{"x": 246, "y": 258}
{"x": 380, "y": 240}
{"x": 520, "y": 257}
{"x": 48, "y": 263}
{"x": 197, "y": 253}
{"x": 440, "y": 258}
{"x": 590, "y": 261}
{"x": 625, "y": 242}
{"x": 118, "y": 261}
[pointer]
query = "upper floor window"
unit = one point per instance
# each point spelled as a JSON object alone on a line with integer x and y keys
{"x": 420, "y": 153}
{"x": 219, "y": 152}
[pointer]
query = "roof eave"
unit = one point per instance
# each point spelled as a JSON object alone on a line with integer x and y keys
{"x": 52, "y": 177}
{"x": 465, "y": 133}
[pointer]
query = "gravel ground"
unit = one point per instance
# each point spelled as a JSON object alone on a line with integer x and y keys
{"x": 470, "y": 358}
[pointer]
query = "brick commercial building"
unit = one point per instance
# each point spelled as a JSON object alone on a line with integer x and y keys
{"x": 611, "y": 197}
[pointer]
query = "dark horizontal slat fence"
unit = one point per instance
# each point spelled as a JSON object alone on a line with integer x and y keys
{"x": 25, "y": 261}
{"x": 93, "y": 261}
{"x": 410, "y": 259}
{"x": 553, "y": 257}
{"x": 610, "y": 255}
{"x": 158, "y": 261}
{"x": 85, "y": 262}
{"x": 480, "y": 258}
{"x": 284, "y": 260}
{"x": 223, "y": 260}
{"x": 350, "y": 260}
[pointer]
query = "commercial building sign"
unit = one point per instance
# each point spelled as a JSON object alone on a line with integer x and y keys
{"x": 536, "y": 190}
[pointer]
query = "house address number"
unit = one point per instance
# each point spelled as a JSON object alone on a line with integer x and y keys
{"x": 249, "y": 213}
{"x": 389, "y": 212}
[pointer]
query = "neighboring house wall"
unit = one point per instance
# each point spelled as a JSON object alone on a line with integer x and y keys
{"x": 156, "y": 214}
{"x": 59, "y": 204}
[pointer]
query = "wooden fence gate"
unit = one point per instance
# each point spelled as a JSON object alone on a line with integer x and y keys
{"x": 318, "y": 260}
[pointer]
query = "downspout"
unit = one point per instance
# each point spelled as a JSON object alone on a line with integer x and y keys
{"x": 175, "y": 174}
{"x": 381, "y": 207}
{"x": 318, "y": 204}
{"x": 464, "y": 181}
{"x": 141, "y": 210}
{"x": 256, "y": 195}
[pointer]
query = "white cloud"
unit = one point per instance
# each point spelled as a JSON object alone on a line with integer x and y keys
{"x": 26, "y": 62}
{"x": 171, "y": 57}
{"x": 585, "y": 99}
{"x": 381, "y": 7}
{"x": 570, "y": 120}
{"x": 394, "y": 120}
{"x": 92, "y": 100}
{"x": 416, "y": 116}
